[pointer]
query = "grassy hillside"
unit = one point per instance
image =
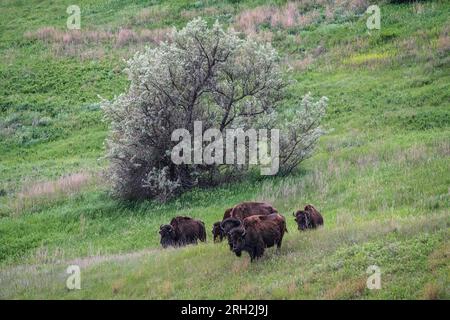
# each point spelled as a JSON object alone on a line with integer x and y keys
{"x": 381, "y": 175}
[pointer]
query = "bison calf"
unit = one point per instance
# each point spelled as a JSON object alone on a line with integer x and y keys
{"x": 217, "y": 232}
{"x": 182, "y": 231}
{"x": 257, "y": 233}
{"x": 309, "y": 218}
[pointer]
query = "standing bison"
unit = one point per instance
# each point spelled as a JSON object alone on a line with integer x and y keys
{"x": 256, "y": 233}
{"x": 244, "y": 210}
{"x": 241, "y": 211}
{"x": 182, "y": 231}
{"x": 247, "y": 209}
{"x": 308, "y": 218}
{"x": 217, "y": 231}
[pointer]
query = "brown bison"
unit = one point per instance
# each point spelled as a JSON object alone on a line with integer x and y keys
{"x": 242, "y": 211}
{"x": 308, "y": 218}
{"x": 218, "y": 233}
{"x": 182, "y": 231}
{"x": 247, "y": 209}
{"x": 279, "y": 219}
{"x": 256, "y": 233}
{"x": 226, "y": 226}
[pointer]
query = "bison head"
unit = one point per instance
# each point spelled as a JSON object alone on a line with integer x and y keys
{"x": 168, "y": 236}
{"x": 217, "y": 232}
{"x": 237, "y": 239}
{"x": 229, "y": 223}
{"x": 303, "y": 219}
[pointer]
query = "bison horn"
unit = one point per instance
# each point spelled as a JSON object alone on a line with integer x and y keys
{"x": 293, "y": 214}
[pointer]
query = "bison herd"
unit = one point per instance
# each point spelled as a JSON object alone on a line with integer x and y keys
{"x": 249, "y": 226}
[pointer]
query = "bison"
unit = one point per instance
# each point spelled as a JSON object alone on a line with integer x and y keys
{"x": 256, "y": 233}
{"x": 247, "y": 209}
{"x": 308, "y": 218}
{"x": 226, "y": 226}
{"x": 241, "y": 211}
{"x": 182, "y": 231}
{"x": 279, "y": 219}
{"x": 217, "y": 231}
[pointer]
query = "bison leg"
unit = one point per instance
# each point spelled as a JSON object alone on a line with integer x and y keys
{"x": 278, "y": 249}
{"x": 279, "y": 244}
{"x": 258, "y": 252}
{"x": 230, "y": 243}
{"x": 252, "y": 255}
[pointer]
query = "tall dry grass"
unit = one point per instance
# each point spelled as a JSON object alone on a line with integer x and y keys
{"x": 301, "y": 64}
{"x": 296, "y": 14}
{"x": 90, "y": 44}
{"x": 249, "y": 20}
{"x": 351, "y": 288}
{"x": 85, "y": 44}
{"x": 51, "y": 35}
{"x": 126, "y": 37}
{"x": 443, "y": 42}
{"x": 155, "y": 35}
{"x": 41, "y": 193}
{"x": 286, "y": 16}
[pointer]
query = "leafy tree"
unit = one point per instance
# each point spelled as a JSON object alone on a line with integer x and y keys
{"x": 204, "y": 74}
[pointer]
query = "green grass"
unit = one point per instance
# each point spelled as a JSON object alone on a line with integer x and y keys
{"x": 380, "y": 176}
{"x": 322, "y": 264}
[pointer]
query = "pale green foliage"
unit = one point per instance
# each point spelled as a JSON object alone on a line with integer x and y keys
{"x": 159, "y": 181}
{"x": 301, "y": 133}
{"x": 205, "y": 74}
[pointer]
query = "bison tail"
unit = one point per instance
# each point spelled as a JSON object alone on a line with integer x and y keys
{"x": 284, "y": 226}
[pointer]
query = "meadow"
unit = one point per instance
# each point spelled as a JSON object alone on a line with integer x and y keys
{"x": 380, "y": 176}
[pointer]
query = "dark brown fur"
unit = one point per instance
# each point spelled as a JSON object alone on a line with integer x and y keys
{"x": 257, "y": 233}
{"x": 279, "y": 219}
{"x": 226, "y": 226}
{"x": 182, "y": 231}
{"x": 227, "y": 213}
{"x": 240, "y": 212}
{"x": 308, "y": 218}
{"x": 217, "y": 231}
{"x": 247, "y": 209}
